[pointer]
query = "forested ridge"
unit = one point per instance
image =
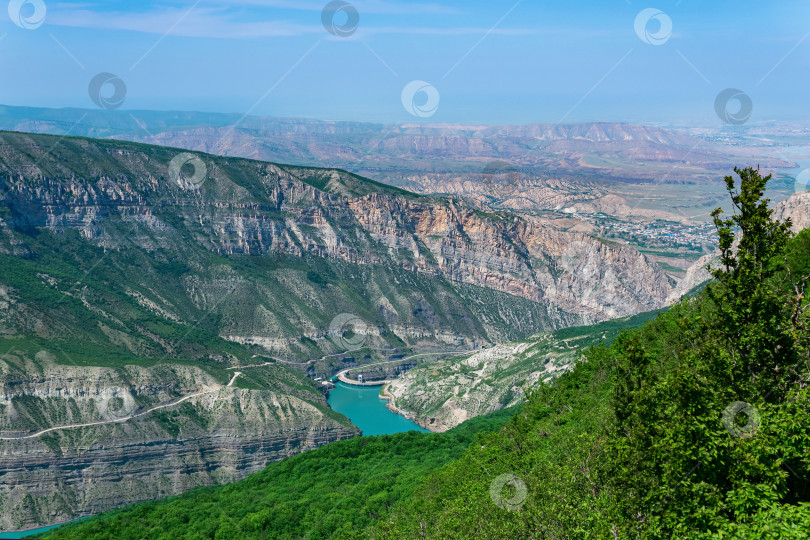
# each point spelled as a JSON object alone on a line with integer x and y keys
{"x": 696, "y": 425}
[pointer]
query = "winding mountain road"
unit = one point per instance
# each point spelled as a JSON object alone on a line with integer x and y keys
{"x": 121, "y": 420}
{"x": 341, "y": 376}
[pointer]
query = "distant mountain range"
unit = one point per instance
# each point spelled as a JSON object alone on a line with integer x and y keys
{"x": 621, "y": 152}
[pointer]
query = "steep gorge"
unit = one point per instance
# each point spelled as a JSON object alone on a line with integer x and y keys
{"x": 125, "y": 286}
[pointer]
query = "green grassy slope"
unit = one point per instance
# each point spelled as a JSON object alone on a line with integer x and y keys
{"x": 92, "y": 319}
{"x": 551, "y": 449}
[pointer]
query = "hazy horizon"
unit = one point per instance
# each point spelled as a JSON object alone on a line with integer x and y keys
{"x": 479, "y": 63}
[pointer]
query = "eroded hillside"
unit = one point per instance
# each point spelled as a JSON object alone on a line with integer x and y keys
{"x": 276, "y": 251}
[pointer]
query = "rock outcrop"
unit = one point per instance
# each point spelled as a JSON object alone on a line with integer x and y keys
{"x": 442, "y": 394}
{"x": 797, "y": 208}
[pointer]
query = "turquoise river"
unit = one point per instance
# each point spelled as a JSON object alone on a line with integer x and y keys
{"x": 363, "y": 406}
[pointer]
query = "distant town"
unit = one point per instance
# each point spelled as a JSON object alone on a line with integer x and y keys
{"x": 657, "y": 234}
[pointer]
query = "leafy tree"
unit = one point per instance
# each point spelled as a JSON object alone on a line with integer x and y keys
{"x": 712, "y": 421}
{"x": 750, "y": 308}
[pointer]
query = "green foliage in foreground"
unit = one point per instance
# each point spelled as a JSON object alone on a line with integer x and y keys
{"x": 712, "y": 410}
{"x": 337, "y": 489}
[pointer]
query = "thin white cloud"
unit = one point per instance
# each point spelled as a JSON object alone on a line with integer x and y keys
{"x": 201, "y": 22}
{"x": 467, "y": 31}
{"x": 367, "y": 6}
{"x": 207, "y": 22}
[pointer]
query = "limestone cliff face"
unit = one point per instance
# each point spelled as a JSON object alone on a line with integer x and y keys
{"x": 219, "y": 434}
{"x": 602, "y": 280}
{"x": 574, "y": 272}
{"x": 261, "y": 209}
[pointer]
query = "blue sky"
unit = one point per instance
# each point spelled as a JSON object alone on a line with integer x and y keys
{"x": 489, "y": 62}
